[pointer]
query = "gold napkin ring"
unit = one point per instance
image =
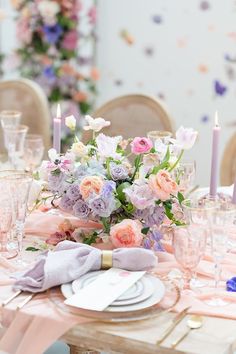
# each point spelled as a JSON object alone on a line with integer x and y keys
{"x": 106, "y": 259}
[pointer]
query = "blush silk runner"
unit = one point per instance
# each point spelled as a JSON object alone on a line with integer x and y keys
{"x": 37, "y": 325}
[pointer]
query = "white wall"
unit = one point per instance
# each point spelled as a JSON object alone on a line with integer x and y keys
{"x": 187, "y": 38}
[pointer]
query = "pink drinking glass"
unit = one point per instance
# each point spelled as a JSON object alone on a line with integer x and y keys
{"x": 189, "y": 244}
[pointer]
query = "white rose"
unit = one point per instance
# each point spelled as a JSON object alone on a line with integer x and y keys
{"x": 79, "y": 149}
{"x": 48, "y": 9}
{"x": 70, "y": 122}
{"x": 95, "y": 124}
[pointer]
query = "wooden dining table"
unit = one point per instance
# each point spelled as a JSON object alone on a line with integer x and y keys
{"x": 216, "y": 336}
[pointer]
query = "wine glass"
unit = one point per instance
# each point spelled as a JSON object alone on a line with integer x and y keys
{"x": 199, "y": 213}
{"x": 19, "y": 185}
{"x": 163, "y": 135}
{"x": 14, "y": 139}
{"x": 185, "y": 174}
{"x": 223, "y": 220}
{"x": 33, "y": 151}
{"x": 10, "y": 118}
{"x": 189, "y": 243}
{"x": 6, "y": 213}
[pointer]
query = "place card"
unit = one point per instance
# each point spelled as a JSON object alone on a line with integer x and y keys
{"x": 108, "y": 286}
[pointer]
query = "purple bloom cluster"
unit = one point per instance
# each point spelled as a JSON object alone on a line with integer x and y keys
{"x": 52, "y": 33}
{"x": 118, "y": 171}
{"x": 81, "y": 209}
{"x": 104, "y": 204}
{"x": 152, "y": 240}
{"x": 57, "y": 182}
{"x": 152, "y": 216}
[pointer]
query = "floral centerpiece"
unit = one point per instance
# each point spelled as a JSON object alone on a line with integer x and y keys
{"x": 52, "y": 35}
{"x": 131, "y": 201}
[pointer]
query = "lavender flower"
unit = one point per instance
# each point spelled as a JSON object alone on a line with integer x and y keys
{"x": 81, "y": 209}
{"x": 151, "y": 216}
{"x": 52, "y": 33}
{"x": 118, "y": 171}
{"x": 49, "y": 73}
{"x": 57, "y": 182}
{"x": 102, "y": 206}
{"x": 147, "y": 243}
{"x": 66, "y": 203}
{"x": 155, "y": 216}
{"x": 73, "y": 192}
{"x": 108, "y": 189}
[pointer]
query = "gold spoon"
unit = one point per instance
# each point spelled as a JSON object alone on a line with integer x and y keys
{"x": 194, "y": 322}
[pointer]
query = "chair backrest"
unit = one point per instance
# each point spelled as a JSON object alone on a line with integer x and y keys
{"x": 133, "y": 115}
{"x": 228, "y": 163}
{"x": 26, "y": 96}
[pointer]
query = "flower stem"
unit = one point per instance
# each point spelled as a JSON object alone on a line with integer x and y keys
{"x": 177, "y": 161}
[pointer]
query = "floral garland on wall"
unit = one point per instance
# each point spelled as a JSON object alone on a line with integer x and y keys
{"x": 50, "y": 50}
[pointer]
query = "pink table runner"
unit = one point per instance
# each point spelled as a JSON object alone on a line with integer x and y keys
{"x": 41, "y": 321}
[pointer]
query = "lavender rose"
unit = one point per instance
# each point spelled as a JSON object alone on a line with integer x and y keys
{"x": 81, "y": 209}
{"x": 66, "y": 203}
{"x": 73, "y": 192}
{"x": 118, "y": 171}
{"x": 102, "y": 206}
{"x": 57, "y": 182}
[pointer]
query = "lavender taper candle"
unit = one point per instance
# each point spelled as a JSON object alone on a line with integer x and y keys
{"x": 234, "y": 192}
{"x": 57, "y": 130}
{"x": 215, "y": 158}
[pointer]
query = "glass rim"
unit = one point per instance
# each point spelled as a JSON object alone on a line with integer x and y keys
{"x": 20, "y": 128}
{"x": 159, "y": 133}
{"x": 14, "y": 174}
{"x": 33, "y": 136}
{"x": 210, "y": 206}
{"x": 9, "y": 113}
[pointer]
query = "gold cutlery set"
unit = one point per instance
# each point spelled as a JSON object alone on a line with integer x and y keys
{"x": 194, "y": 322}
{"x": 14, "y": 296}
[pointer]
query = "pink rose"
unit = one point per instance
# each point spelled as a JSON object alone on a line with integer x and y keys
{"x": 70, "y": 40}
{"x": 162, "y": 185}
{"x": 141, "y": 145}
{"x": 126, "y": 234}
{"x": 90, "y": 185}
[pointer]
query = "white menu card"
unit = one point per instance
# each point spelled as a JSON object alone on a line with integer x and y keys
{"x": 104, "y": 290}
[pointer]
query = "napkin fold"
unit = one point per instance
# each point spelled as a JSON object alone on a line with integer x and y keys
{"x": 70, "y": 260}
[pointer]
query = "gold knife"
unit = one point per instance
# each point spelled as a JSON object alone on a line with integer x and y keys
{"x": 177, "y": 319}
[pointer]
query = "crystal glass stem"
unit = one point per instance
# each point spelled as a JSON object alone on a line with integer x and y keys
{"x": 3, "y": 241}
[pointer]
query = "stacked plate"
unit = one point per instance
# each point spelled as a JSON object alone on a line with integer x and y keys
{"x": 145, "y": 293}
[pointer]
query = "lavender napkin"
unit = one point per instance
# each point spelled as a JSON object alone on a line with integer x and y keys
{"x": 70, "y": 260}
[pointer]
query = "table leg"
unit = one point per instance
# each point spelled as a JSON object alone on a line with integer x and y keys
{"x": 78, "y": 350}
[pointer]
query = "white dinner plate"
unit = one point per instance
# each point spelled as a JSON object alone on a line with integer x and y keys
{"x": 140, "y": 291}
{"x": 157, "y": 295}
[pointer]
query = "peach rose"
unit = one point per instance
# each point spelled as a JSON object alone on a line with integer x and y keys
{"x": 162, "y": 185}
{"x": 89, "y": 185}
{"x": 126, "y": 234}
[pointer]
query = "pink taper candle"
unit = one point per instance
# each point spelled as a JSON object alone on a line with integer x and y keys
{"x": 234, "y": 192}
{"x": 57, "y": 130}
{"x": 215, "y": 158}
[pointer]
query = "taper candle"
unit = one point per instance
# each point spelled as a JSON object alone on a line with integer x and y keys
{"x": 215, "y": 158}
{"x": 57, "y": 130}
{"x": 234, "y": 192}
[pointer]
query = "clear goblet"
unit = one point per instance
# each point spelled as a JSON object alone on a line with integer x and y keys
{"x": 162, "y": 135}
{"x": 223, "y": 220}
{"x": 10, "y": 118}
{"x": 15, "y": 138}
{"x": 199, "y": 213}
{"x": 185, "y": 174}
{"x": 19, "y": 184}
{"x": 189, "y": 243}
{"x": 33, "y": 151}
{"x": 6, "y": 212}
